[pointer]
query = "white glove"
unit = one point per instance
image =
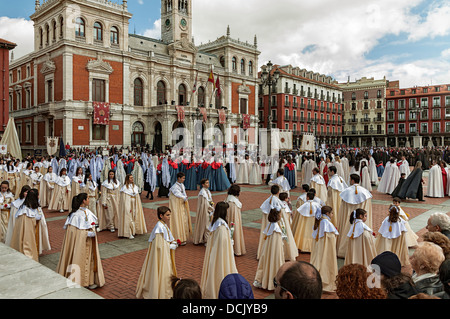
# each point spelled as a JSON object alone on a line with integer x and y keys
{"x": 91, "y": 234}
{"x": 173, "y": 246}
{"x": 38, "y": 217}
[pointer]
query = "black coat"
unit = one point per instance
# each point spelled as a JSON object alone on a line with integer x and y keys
{"x": 398, "y": 188}
{"x": 411, "y": 185}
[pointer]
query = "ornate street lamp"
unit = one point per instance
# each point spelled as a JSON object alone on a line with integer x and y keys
{"x": 269, "y": 79}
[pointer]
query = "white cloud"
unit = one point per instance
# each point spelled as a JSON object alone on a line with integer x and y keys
{"x": 155, "y": 32}
{"x": 330, "y": 37}
{"x": 326, "y": 36}
{"x": 437, "y": 23}
{"x": 19, "y": 31}
{"x": 446, "y": 54}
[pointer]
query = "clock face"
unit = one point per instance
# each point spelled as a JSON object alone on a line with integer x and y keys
{"x": 183, "y": 22}
{"x": 167, "y": 22}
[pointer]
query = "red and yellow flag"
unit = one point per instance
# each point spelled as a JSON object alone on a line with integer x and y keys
{"x": 211, "y": 76}
{"x": 219, "y": 92}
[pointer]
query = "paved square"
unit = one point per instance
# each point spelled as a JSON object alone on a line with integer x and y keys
{"x": 123, "y": 258}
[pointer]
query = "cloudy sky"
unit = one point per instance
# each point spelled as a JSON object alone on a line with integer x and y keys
{"x": 406, "y": 40}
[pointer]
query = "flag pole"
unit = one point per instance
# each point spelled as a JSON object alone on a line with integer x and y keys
{"x": 195, "y": 89}
{"x": 211, "y": 79}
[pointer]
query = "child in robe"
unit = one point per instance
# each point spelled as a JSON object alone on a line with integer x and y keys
{"x": 361, "y": 244}
{"x": 272, "y": 254}
{"x": 323, "y": 254}
{"x": 159, "y": 265}
{"x": 304, "y": 226}
{"x": 205, "y": 209}
{"x": 392, "y": 236}
{"x": 234, "y": 219}
{"x": 80, "y": 246}
{"x": 411, "y": 236}
{"x": 290, "y": 248}
{"x": 269, "y": 203}
{"x": 219, "y": 257}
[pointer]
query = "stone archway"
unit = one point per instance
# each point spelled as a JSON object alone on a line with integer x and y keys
{"x": 137, "y": 134}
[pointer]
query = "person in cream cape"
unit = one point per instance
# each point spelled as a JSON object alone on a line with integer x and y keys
{"x": 80, "y": 246}
{"x": 61, "y": 199}
{"x": 353, "y": 197}
{"x": 131, "y": 214}
{"x": 335, "y": 186}
{"x": 159, "y": 264}
{"x": 30, "y": 232}
{"x": 219, "y": 256}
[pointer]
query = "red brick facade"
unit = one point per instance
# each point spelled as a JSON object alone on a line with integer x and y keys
{"x": 433, "y": 104}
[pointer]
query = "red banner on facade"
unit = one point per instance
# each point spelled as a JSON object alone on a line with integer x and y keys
{"x": 246, "y": 121}
{"x": 203, "y": 111}
{"x": 222, "y": 116}
{"x": 101, "y": 113}
{"x": 180, "y": 112}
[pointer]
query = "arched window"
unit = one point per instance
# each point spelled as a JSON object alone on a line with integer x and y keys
{"x": 201, "y": 96}
{"x": 161, "y": 93}
{"x": 80, "y": 28}
{"x": 98, "y": 32}
{"x": 61, "y": 28}
{"x": 137, "y": 135}
{"x": 55, "y": 30}
{"x": 242, "y": 66}
{"x": 47, "y": 34}
{"x": 234, "y": 64}
{"x": 250, "y": 68}
{"x": 182, "y": 96}
{"x": 138, "y": 92}
{"x": 114, "y": 35}
{"x": 41, "y": 37}
{"x": 222, "y": 61}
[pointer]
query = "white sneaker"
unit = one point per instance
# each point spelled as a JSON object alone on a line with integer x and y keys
{"x": 93, "y": 286}
{"x": 112, "y": 230}
{"x": 257, "y": 284}
{"x": 131, "y": 237}
{"x": 61, "y": 210}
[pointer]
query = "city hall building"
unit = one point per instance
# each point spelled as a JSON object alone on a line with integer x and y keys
{"x": 92, "y": 83}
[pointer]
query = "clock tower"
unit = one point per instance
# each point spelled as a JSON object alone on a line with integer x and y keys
{"x": 176, "y": 20}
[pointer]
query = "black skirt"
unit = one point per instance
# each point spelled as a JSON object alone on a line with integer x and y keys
{"x": 162, "y": 190}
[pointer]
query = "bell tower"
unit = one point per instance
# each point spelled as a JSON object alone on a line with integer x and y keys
{"x": 176, "y": 20}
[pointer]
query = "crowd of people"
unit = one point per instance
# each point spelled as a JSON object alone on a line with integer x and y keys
{"x": 331, "y": 219}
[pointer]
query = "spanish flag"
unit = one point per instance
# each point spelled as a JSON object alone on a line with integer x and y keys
{"x": 211, "y": 77}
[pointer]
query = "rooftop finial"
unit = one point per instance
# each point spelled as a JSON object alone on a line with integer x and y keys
{"x": 256, "y": 41}
{"x": 228, "y": 31}
{"x": 37, "y": 4}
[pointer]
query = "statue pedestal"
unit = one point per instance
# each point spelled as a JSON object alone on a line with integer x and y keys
{"x": 417, "y": 141}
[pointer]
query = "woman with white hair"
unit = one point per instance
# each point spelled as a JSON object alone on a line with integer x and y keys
{"x": 439, "y": 222}
{"x": 425, "y": 261}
